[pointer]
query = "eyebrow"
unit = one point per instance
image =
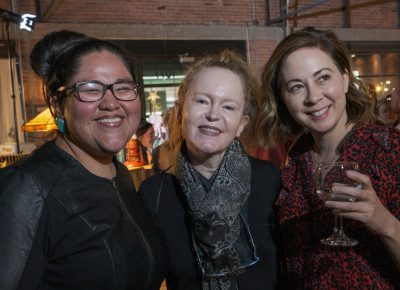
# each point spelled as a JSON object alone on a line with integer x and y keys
{"x": 320, "y": 70}
{"x": 314, "y": 74}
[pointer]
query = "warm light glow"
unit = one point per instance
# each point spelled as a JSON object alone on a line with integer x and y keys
{"x": 153, "y": 97}
{"x": 43, "y": 122}
{"x": 378, "y": 88}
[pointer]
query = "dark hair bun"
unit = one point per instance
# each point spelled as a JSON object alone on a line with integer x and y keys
{"x": 46, "y": 52}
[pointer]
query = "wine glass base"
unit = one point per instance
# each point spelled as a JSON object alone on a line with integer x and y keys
{"x": 339, "y": 241}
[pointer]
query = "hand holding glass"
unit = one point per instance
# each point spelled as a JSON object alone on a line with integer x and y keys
{"x": 326, "y": 176}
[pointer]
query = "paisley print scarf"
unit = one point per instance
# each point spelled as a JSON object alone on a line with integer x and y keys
{"x": 220, "y": 236}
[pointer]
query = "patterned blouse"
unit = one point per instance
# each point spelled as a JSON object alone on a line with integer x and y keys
{"x": 303, "y": 220}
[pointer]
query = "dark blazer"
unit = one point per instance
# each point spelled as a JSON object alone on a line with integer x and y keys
{"x": 170, "y": 215}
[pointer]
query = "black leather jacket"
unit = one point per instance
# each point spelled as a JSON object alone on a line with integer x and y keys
{"x": 61, "y": 227}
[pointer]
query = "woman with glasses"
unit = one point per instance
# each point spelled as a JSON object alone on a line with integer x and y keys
{"x": 214, "y": 204}
{"x": 314, "y": 103}
{"x": 69, "y": 214}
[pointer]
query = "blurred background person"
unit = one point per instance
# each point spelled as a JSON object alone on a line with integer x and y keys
{"x": 145, "y": 136}
{"x": 214, "y": 203}
{"x": 69, "y": 215}
{"x": 385, "y": 113}
{"x": 370, "y": 89}
{"x": 313, "y": 100}
{"x": 395, "y": 102}
{"x": 163, "y": 156}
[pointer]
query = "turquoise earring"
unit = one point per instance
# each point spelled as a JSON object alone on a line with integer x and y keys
{"x": 60, "y": 124}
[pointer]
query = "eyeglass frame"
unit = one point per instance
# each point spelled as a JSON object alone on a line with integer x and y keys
{"x": 106, "y": 87}
{"x": 225, "y": 274}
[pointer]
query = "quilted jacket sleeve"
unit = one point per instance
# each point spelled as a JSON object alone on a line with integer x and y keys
{"x": 21, "y": 204}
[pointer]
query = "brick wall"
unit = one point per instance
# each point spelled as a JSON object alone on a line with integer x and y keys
{"x": 197, "y": 19}
{"x": 364, "y": 13}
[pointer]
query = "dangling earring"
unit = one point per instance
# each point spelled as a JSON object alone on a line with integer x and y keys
{"x": 60, "y": 124}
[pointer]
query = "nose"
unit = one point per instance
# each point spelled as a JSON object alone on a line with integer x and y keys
{"x": 212, "y": 113}
{"x": 314, "y": 94}
{"x": 109, "y": 102}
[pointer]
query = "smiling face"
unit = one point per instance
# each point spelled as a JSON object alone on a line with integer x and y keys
{"x": 314, "y": 91}
{"x": 101, "y": 128}
{"x": 212, "y": 113}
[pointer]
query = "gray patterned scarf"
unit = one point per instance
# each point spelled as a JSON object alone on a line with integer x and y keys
{"x": 220, "y": 236}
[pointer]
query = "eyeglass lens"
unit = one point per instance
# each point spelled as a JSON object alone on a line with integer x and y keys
{"x": 95, "y": 91}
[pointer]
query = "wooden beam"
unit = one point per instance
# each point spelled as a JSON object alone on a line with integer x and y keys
{"x": 53, "y": 5}
{"x": 288, "y": 14}
{"x": 346, "y": 14}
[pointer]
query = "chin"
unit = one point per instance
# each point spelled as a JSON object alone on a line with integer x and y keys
{"x": 113, "y": 147}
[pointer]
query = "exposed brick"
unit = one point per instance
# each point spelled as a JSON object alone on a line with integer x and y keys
{"x": 238, "y": 13}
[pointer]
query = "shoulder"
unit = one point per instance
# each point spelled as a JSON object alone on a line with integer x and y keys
{"x": 266, "y": 182}
{"x": 25, "y": 184}
{"x": 264, "y": 169}
{"x": 37, "y": 171}
{"x": 155, "y": 181}
{"x": 372, "y": 143}
{"x": 45, "y": 164}
{"x": 388, "y": 138}
{"x": 21, "y": 208}
{"x": 151, "y": 189}
{"x": 40, "y": 174}
{"x": 19, "y": 186}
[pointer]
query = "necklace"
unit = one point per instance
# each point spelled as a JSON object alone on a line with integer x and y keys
{"x": 329, "y": 158}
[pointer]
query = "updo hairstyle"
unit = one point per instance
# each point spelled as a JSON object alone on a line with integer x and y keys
{"x": 56, "y": 58}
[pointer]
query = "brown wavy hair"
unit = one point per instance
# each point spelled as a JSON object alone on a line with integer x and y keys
{"x": 275, "y": 119}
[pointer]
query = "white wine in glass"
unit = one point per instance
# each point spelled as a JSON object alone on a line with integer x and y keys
{"x": 326, "y": 176}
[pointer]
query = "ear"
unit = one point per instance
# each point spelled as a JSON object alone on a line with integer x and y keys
{"x": 346, "y": 81}
{"x": 243, "y": 123}
{"x": 56, "y": 105}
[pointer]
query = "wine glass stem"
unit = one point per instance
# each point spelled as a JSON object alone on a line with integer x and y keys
{"x": 338, "y": 229}
{"x": 335, "y": 228}
{"x": 340, "y": 224}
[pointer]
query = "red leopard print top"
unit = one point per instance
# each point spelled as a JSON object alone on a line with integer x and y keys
{"x": 303, "y": 220}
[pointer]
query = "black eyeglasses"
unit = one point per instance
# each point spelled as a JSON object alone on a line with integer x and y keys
{"x": 228, "y": 272}
{"x": 93, "y": 91}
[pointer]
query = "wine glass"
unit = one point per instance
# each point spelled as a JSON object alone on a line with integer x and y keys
{"x": 327, "y": 175}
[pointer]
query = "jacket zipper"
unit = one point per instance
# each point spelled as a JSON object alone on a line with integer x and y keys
{"x": 147, "y": 246}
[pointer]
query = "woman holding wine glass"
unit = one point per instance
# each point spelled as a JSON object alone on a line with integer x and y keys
{"x": 314, "y": 102}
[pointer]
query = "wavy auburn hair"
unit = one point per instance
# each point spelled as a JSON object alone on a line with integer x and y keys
{"x": 275, "y": 119}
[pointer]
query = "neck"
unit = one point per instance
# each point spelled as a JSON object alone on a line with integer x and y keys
{"x": 325, "y": 145}
{"x": 205, "y": 165}
{"x": 100, "y": 166}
